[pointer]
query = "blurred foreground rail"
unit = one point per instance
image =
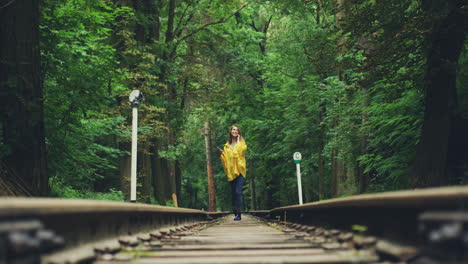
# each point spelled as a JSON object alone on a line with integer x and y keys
{"x": 417, "y": 227}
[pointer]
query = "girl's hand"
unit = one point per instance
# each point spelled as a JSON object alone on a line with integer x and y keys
{"x": 220, "y": 150}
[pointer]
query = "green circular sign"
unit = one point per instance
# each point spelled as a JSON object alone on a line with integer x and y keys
{"x": 297, "y": 157}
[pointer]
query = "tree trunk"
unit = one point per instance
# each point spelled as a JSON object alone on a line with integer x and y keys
{"x": 168, "y": 58}
{"x": 363, "y": 178}
{"x": 178, "y": 178}
{"x": 340, "y": 176}
{"x": 446, "y": 42}
{"x": 159, "y": 185}
{"x": 365, "y": 44}
{"x": 171, "y": 164}
{"x": 253, "y": 200}
{"x": 263, "y": 27}
{"x": 21, "y": 96}
{"x": 273, "y": 188}
{"x": 125, "y": 170}
{"x": 145, "y": 176}
{"x": 341, "y": 11}
{"x": 321, "y": 162}
{"x": 209, "y": 168}
{"x": 147, "y": 29}
{"x": 334, "y": 173}
{"x": 337, "y": 166}
{"x": 321, "y": 175}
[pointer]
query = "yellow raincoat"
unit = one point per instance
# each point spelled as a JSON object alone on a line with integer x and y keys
{"x": 233, "y": 159}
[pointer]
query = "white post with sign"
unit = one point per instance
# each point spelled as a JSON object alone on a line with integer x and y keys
{"x": 133, "y": 170}
{"x": 135, "y": 98}
{"x": 297, "y": 159}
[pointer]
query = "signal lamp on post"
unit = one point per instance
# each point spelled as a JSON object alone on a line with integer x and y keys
{"x": 135, "y": 98}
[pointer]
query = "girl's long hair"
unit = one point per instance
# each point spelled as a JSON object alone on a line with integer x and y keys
{"x": 230, "y": 138}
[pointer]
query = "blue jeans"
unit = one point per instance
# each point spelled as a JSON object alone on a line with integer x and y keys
{"x": 236, "y": 193}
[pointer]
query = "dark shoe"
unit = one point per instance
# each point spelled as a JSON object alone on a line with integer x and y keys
{"x": 237, "y": 218}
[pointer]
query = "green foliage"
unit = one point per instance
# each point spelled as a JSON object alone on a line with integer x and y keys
{"x": 80, "y": 85}
{"x": 349, "y": 98}
{"x": 283, "y": 98}
{"x": 393, "y": 136}
{"x": 60, "y": 189}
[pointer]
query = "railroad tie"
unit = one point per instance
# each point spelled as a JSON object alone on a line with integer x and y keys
{"x": 251, "y": 240}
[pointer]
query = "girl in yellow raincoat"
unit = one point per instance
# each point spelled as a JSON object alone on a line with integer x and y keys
{"x": 233, "y": 159}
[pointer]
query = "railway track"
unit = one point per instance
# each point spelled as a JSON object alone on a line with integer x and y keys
{"x": 417, "y": 227}
{"x": 249, "y": 241}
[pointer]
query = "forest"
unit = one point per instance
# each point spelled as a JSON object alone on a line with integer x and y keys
{"x": 374, "y": 94}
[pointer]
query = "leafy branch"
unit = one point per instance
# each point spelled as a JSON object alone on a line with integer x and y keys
{"x": 212, "y": 23}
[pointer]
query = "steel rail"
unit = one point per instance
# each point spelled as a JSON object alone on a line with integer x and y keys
{"x": 396, "y": 215}
{"x": 81, "y": 222}
{"x": 417, "y": 198}
{"x": 404, "y": 216}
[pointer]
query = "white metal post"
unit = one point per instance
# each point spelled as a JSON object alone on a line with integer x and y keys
{"x": 299, "y": 184}
{"x": 133, "y": 178}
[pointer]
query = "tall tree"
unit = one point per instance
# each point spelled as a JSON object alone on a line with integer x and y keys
{"x": 209, "y": 168}
{"x": 177, "y": 34}
{"x": 338, "y": 166}
{"x": 21, "y": 104}
{"x": 446, "y": 37}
